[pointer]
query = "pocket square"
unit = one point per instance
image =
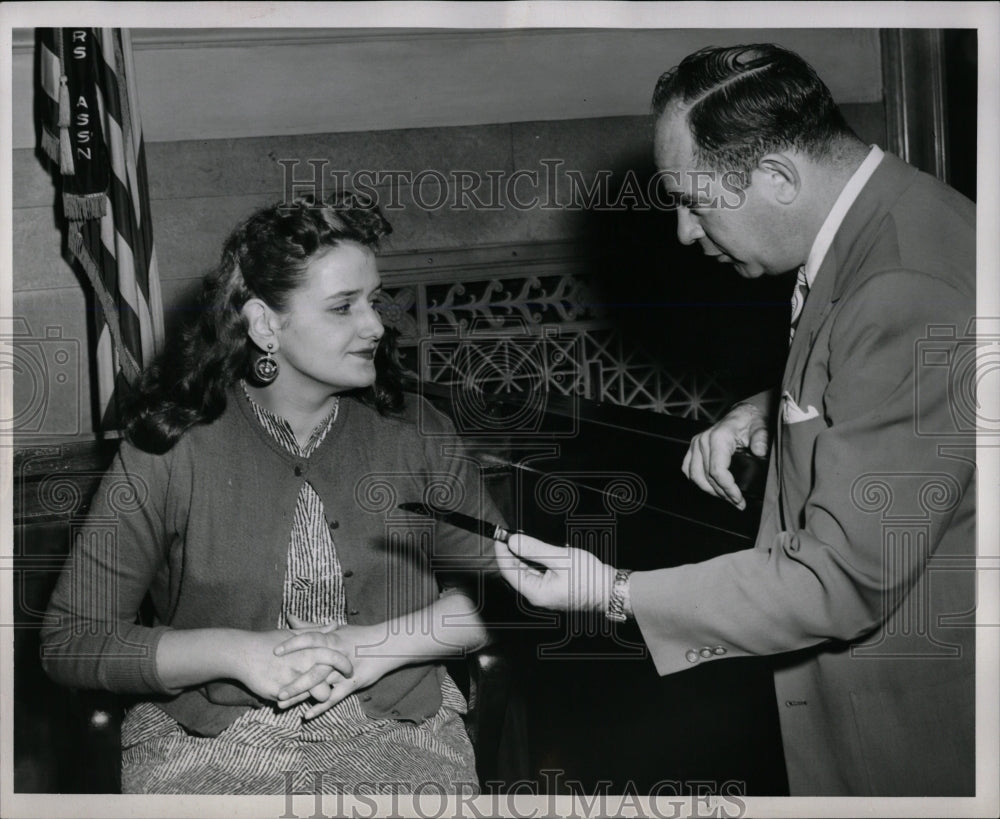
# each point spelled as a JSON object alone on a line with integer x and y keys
{"x": 792, "y": 413}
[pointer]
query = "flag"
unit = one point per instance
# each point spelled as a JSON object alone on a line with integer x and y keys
{"x": 91, "y": 131}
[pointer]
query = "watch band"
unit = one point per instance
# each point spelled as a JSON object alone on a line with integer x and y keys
{"x": 619, "y": 606}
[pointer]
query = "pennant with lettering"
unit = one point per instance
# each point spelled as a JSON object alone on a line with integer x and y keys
{"x": 92, "y": 133}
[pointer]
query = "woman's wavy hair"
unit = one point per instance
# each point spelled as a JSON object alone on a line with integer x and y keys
{"x": 742, "y": 102}
{"x": 265, "y": 257}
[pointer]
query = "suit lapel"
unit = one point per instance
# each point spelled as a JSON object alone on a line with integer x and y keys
{"x": 845, "y": 257}
{"x": 818, "y": 303}
{"x": 839, "y": 267}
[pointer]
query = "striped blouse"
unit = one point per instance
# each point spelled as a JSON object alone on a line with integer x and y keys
{"x": 269, "y": 750}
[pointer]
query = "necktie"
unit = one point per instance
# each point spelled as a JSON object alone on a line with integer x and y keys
{"x": 798, "y": 300}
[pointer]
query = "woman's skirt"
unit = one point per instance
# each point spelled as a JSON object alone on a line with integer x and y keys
{"x": 269, "y": 751}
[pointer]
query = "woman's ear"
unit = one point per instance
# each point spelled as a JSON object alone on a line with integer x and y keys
{"x": 261, "y": 324}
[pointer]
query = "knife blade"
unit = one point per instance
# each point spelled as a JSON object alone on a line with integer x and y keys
{"x": 483, "y": 528}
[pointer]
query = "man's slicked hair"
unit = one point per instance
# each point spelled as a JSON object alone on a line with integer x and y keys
{"x": 742, "y": 102}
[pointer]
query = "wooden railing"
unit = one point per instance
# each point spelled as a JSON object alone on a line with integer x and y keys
{"x": 526, "y": 320}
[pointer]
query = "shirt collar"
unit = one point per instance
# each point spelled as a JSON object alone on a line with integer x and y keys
{"x": 281, "y": 430}
{"x": 821, "y": 244}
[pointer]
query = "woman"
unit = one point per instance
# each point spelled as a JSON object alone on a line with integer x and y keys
{"x": 257, "y": 491}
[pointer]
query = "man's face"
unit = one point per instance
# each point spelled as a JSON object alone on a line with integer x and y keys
{"x": 741, "y": 228}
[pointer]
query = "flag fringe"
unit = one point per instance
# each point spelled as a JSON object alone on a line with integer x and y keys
{"x": 87, "y": 206}
{"x": 50, "y": 145}
{"x": 130, "y": 368}
{"x": 65, "y": 119}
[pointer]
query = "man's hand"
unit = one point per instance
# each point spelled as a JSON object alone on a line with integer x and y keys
{"x": 711, "y": 452}
{"x": 555, "y": 577}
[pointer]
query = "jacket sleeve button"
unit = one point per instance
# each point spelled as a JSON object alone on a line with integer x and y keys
{"x": 348, "y": 573}
{"x": 334, "y": 524}
{"x": 719, "y": 650}
{"x": 691, "y": 656}
{"x": 298, "y": 471}
{"x": 706, "y": 652}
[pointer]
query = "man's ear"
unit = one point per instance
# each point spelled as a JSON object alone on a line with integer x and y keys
{"x": 261, "y": 324}
{"x": 780, "y": 176}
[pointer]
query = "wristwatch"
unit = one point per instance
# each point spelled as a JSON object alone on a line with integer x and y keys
{"x": 619, "y": 602}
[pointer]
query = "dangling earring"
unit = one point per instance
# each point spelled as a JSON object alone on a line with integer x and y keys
{"x": 265, "y": 368}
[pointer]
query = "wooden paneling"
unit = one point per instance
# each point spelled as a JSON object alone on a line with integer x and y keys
{"x": 913, "y": 75}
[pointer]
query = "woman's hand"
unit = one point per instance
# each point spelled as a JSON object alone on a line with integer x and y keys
{"x": 267, "y": 672}
{"x": 368, "y": 667}
{"x": 445, "y": 629}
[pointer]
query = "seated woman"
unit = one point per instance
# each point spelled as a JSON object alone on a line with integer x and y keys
{"x": 256, "y": 493}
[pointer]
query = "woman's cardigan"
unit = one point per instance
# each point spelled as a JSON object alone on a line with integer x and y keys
{"x": 205, "y": 528}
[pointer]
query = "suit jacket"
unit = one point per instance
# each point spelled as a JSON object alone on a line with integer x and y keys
{"x": 862, "y": 578}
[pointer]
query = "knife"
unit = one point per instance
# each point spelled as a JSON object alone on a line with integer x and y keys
{"x": 490, "y": 531}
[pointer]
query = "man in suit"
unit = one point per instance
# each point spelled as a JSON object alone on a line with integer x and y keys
{"x": 861, "y": 581}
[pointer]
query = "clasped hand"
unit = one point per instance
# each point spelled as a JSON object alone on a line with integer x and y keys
{"x": 327, "y": 683}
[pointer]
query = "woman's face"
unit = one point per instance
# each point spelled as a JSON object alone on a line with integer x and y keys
{"x": 330, "y": 329}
